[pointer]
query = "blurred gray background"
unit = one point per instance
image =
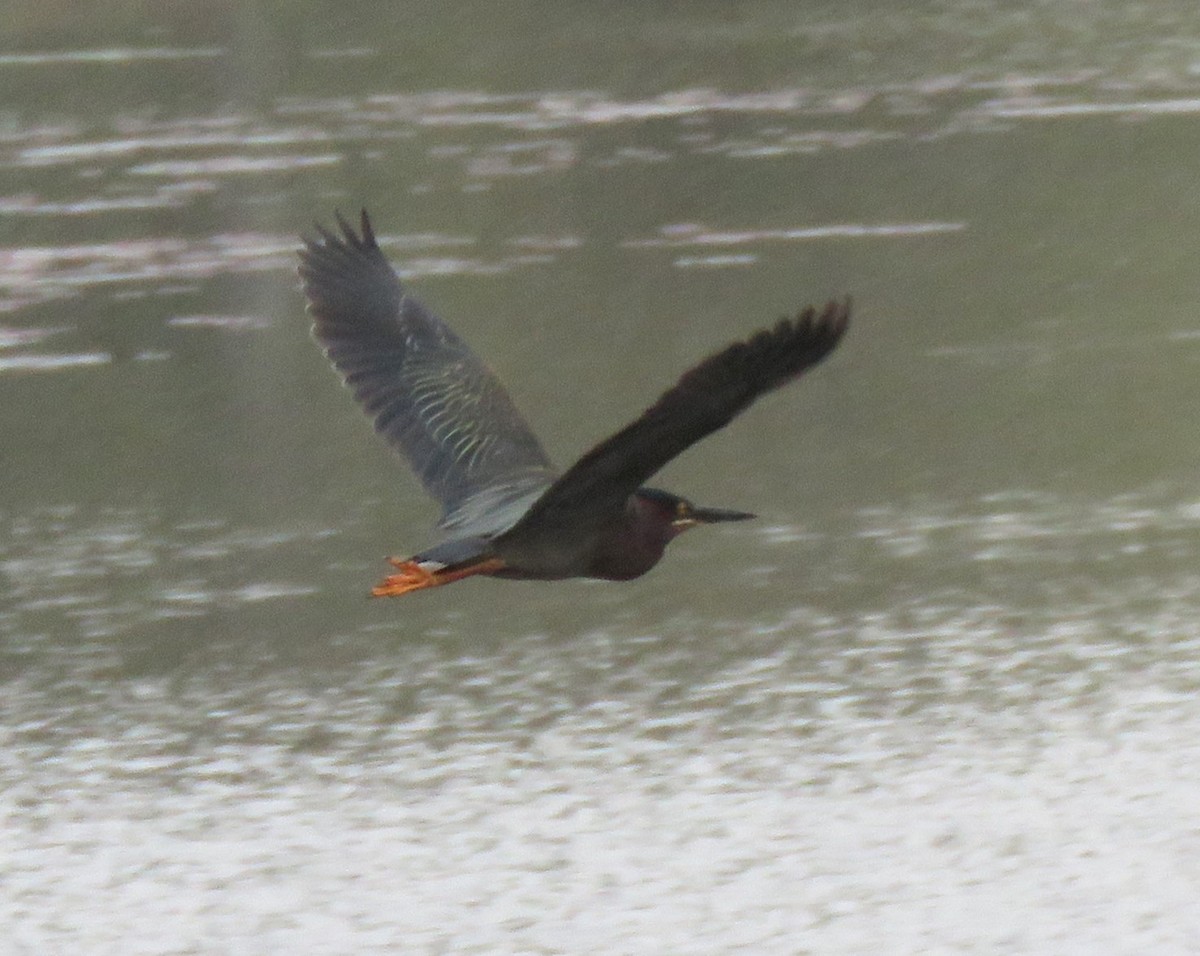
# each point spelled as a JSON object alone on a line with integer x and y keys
{"x": 939, "y": 698}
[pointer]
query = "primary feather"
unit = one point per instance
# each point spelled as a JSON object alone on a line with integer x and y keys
{"x": 429, "y": 395}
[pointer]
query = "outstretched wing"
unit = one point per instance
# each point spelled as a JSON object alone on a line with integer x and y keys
{"x": 430, "y": 396}
{"x": 705, "y": 399}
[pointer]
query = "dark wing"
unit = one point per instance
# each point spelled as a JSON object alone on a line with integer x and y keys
{"x": 430, "y": 396}
{"x": 705, "y": 399}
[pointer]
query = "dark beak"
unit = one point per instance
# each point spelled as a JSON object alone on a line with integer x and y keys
{"x": 714, "y": 515}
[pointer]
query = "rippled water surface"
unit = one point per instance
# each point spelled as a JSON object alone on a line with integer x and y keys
{"x": 940, "y": 698}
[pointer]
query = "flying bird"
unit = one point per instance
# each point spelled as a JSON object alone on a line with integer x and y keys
{"x": 506, "y": 511}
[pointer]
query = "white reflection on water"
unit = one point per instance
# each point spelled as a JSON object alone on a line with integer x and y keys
{"x": 1004, "y": 769}
{"x": 1031, "y": 830}
{"x": 685, "y": 235}
{"x": 1040, "y": 108}
{"x": 228, "y": 323}
{"x": 40, "y": 274}
{"x": 693, "y": 234}
{"x": 112, "y": 55}
{"x": 167, "y": 196}
{"x": 226, "y": 165}
{"x": 38, "y": 362}
{"x": 118, "y": 571}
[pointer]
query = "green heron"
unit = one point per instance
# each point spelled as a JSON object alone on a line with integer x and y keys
{"x": 506, "y": 512}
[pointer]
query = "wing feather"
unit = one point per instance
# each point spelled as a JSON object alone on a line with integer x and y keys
{"x": 704, "y": 400}
{"x": 429, "y": 395}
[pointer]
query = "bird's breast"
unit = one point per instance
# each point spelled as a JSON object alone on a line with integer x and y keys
{"x": 628, "y": 550}
{"x": 623, "y": 548}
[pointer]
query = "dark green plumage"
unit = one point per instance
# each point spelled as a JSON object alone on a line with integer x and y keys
{"x": 507, "y": 512}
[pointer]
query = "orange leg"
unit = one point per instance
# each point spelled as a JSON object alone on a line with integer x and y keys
{"x": 414, "y": 576}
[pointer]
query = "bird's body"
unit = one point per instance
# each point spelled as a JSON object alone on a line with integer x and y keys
{"x": 621, "y": 548}
{"x": 506, "y": 511}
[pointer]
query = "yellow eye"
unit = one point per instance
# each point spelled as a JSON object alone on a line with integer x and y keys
{"x": 682, "y": 509}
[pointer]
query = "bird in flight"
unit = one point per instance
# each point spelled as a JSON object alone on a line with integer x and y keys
{"x": 506, "y": 511}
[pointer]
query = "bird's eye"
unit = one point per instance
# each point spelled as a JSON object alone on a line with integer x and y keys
{"x": 682, "y": 509}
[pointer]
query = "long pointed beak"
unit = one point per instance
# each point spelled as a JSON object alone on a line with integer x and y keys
{"x": 714, "y": 515}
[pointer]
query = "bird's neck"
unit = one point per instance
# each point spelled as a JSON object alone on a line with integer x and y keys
{"x": 635, "y": 545}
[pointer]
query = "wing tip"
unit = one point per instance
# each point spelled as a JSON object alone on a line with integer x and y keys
{"x": 817, "y": 330}
{"x": 368, "y": 233}
{"x": 833, "y": 317}
{"x": 328, "y": 241}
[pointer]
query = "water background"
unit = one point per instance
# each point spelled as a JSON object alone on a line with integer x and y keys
{"x": 940, "y": 698}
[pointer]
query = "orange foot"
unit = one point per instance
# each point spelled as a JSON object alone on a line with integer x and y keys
{"x": 414, "y": 575}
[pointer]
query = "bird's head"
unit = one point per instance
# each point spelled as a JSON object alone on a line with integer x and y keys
{"x": 677, "y": 514}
